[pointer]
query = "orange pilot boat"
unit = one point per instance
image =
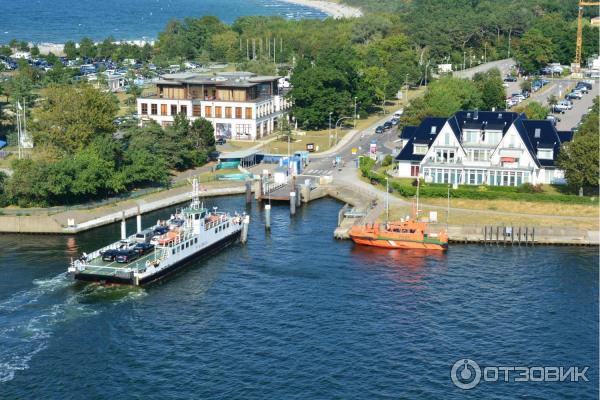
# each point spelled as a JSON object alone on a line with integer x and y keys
{"x": 409, "y": 234}
{"x": 404, "y": 234}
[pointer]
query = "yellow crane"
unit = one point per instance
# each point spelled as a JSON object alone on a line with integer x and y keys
{"x": 577, "y": 65}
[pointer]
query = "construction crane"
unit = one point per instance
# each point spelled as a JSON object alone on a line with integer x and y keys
{"x": 577, "y": 65}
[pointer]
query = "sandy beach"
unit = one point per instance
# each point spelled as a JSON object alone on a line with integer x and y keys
{"x": 335, "y": 10}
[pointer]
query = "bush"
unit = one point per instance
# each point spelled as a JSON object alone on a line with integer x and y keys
{"x": 387, "y": 160}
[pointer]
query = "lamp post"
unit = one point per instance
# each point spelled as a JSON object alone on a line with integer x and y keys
{"x": 329, "y": 132}
{"x": 355, "y": 98}
{"x": 336, "y": 127}
{"x": 387, "y": 199}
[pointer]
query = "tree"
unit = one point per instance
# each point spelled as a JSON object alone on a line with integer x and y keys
{"x": 202, "y": 134}
{"x": 579, "y": 158}
{"x": 87, "y": 49}
{"x": 533, "y": 110}
{"x": 70, "y": 117}
{"x": 70, "y": 50}
{"x": 35, "y": 51}
{"x": 552, "y": 100}
{"x": 490, "y": 86}
{"x": 534, "y": 51}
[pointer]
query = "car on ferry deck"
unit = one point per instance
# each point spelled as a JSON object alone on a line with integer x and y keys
{"x": 128, "y": 255}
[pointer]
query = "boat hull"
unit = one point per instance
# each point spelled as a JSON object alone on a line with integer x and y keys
{"x": 399, "y": 244}
{"x": 180, "y": 264}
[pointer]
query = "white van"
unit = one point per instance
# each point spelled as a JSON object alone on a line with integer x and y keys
{"x": 399, "y": 113}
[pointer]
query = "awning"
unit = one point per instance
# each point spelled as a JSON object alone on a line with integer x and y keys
{"x": 507, "y": 159}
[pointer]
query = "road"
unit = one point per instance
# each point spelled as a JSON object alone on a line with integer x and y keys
{"x": 324, "y": 164}
{"x": 503, "y": 65}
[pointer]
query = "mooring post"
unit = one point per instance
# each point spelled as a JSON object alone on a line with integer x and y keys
{"x": 497, "y": 236}
{"x": 526, "y": 235}
{"x": 245, "y": 225}
{"x": 532, "y": 236}
{"x": 512, "y": 235}
{"x": 292, "y": 203}
{"x": 298, "y": 196}
{"x": 123, "y": 226}
{"x": 268, "y": 217}
{"x": 484, "y": 235}
{"x": 519, "y": 237}
{"x": 138, "y": 220}
{"x": 248, "y": 192}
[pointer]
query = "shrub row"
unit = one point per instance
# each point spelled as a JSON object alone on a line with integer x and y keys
{"x": 476, "y": 192}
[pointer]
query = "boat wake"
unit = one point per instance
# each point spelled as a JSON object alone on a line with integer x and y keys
{"x": 29, "y": 318}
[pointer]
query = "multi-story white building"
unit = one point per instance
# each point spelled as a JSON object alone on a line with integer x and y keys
{"x": 240, "y": 105}
{"x": 482, "y": 148}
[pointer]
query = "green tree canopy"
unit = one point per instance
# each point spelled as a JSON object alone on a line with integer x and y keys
{"x": 70, "y": 117}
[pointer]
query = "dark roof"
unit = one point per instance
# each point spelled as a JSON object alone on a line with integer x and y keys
{"x": 543, "y": 135}
{"x": 534, "y": 133}
{"x": 419, "y": 135}
{"x": 565, "y": 136}
{"x": 408, "y": 132}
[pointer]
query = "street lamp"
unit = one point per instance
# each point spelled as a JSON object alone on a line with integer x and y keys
{"x": 336, "y": 127}
{"x": 355, "y": 98}
{"x": 329, "y": 133}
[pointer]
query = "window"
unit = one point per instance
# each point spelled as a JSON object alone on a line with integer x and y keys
{"x": 208, "y": 111}
{"x": 154, "y": 109}
{"x": 196, "y": 110}
{"x": 163, "y": 109}
{"x": 173, "y": 109}
{"x": 545, "y": 154}
{"x": 227, "y": 112}
{"x": 471, "y": 136}
{"x": 243, "y": 129}
{"x": 537, "y": 133}
{"x": 420, "y": 149}
{"x": 447, "y": 139}
{"x": 218, "y": 112}
{"x": 248, "y": 113}
{"x": 433, "y": 130}
{"x": 184, "y": 110}
{"x": 144, "y": 108}
{"x": 238, "y": 112}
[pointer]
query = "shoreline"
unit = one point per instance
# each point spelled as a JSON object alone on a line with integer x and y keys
{"x": 334, "y": 10}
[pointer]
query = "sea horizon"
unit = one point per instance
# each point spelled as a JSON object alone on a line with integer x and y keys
{"x": 58, "y": 21}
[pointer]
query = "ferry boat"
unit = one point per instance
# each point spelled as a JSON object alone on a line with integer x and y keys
{"x": 155, "y": 252}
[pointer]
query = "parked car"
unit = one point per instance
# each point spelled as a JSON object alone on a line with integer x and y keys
{"x": 220, "y": 140}
{"x": 395, "y": 121}
{"x": 143, "y": 248}
{"x": 510, "y": 78}
{"x": 387, "y": 125}
{"x": 587, "y": 84}
{"x": 379, "y": 129}
{"x": 399, "y": 113}
{"x": 128, "y": 255}
{"x": 582, "y": 87}
{"x": 575, "y": 94}
{"x": 553, "y": 119}
{"x": 109, "y": 255}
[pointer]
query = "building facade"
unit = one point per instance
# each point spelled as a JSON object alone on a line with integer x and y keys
{"x": 240, "y": 105}
{"x": 482, "y": 148}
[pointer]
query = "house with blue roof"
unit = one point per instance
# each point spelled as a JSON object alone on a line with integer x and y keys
{"x": 482, "y": 148}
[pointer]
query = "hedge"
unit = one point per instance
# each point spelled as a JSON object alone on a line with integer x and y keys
{"x": 475, "y": 192}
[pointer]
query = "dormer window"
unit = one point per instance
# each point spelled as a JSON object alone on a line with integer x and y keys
{"x": 545, "y": 154}
{"x": 538, "y": 133}
{"x": 433, "y": 130}
{"x": 500, "y": 116}
{"x": 420, "y": 149}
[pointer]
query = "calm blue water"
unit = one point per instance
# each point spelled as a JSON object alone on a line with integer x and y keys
{"x": 296, "y": 315}
{"x": 60, "y": 20}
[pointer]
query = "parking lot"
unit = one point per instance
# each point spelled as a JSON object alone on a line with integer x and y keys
{"x": 559, "y": 88}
